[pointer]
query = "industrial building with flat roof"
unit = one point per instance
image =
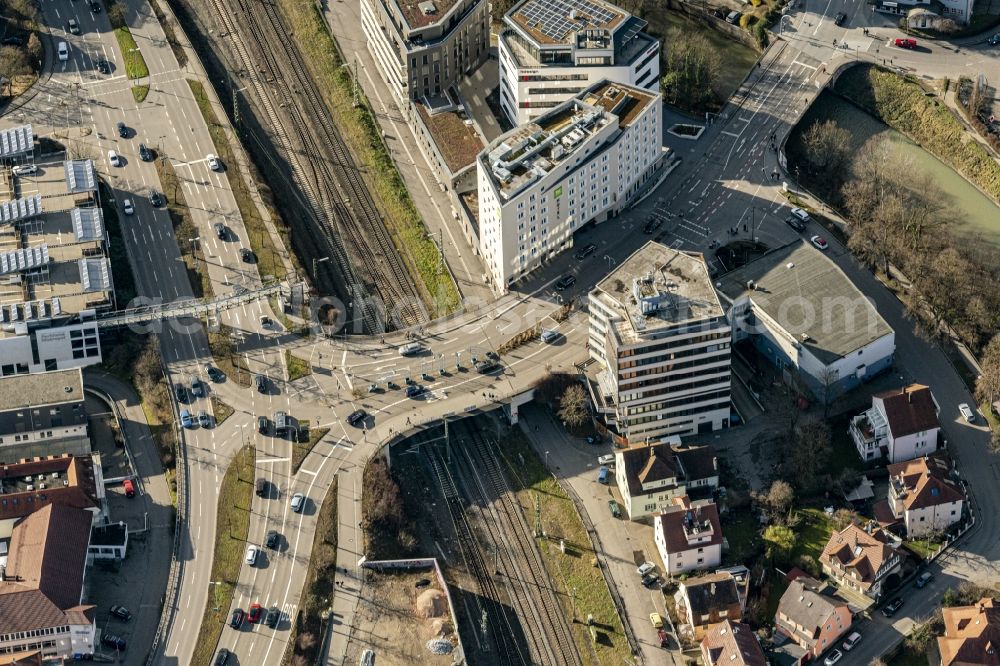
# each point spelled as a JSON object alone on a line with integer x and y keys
{"x": 662, "y": 340}
{"x": 583, "y": 161}
{"x": 807, "y": 317}
{"x": 550, "y": 50}
{"x": 41, "y": 414}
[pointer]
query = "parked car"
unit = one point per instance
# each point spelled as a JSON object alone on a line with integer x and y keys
{"x": 24, "y": 170}
{"x": 128, "y": 207}
{"x": 181, "y": 393}
{"x": 73, "y": 26}
{"x": 246, "y": 254}
{"x": 213, "y": 162}
{"x": 616, "y": 511}
{"x": 834, "y": 656}
{"x": 565, "y": 282}
{"x": 236, "y": 619}
{"x": 251, "y": 557}
{"x": 129, "y": 487}
{"x": 122, "y": 130}
{"x": 12, "y": 41}
{"x": 656, "y": 620}
{"x": 197, "y": 389}
{"x": 414, "y": 390}
{"x": 113, "y": 641}
{"x": 271, "y": 540}
{"x": 967, "y": 413}
{"x": 298, "y": 502}
{"x": 487, "y": 366}
{"x": 273, "y": 616}
{"x": 839, "y": 18}
{"x": 204, "y": 420}
{"x": 155, "y": 199}
{"x": 253, "y": 616}
{"x": 114, "y": 158}
{"x": 186, "y": 419}
{"x": 650, "y": 580}
{"x": 121, "y": 613}
{"x": 819, "y": 242}
{"x": 891, "y": 607}
{"x": 734, "y": 17}
{"x": 145, "y": 154}
{"x": 923, "y": 579}
{"x": 357, "y": 416}
{"x": 645, "y": 568}
{"x": 606, "y": 459}
{"x": 904, "y": 43}
{"x": 851, "y": 641}
{"x": 586, "y": 251}
{"x": 214, "y": 373}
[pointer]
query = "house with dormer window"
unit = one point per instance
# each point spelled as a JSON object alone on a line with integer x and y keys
{"x": 650, "y": 477}
{"x": 861, "y": 558}
{"x": 923, "y": 496}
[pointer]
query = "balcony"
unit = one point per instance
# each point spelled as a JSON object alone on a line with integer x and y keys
{"x": 867, "y": 438}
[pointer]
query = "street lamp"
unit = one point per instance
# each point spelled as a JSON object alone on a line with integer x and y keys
{"x": 316, "y": 263}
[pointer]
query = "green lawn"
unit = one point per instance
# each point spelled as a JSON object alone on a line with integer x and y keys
{"x": 140, "y": 92}
{"x": 220, "y": 410}
{"x": 742, "y": 531}
{"x": 923, "y": 547}
{"x": 135, "y": 64}
{"x": 297, "y": 367}
{"x": 813, "y": 532}
{"x": 235, "y": 497}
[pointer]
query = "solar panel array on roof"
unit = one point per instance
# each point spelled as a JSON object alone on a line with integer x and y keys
{"x": 16, "y": 141}
{"x": 95, "y": 274}
{"x": 20, "y": 209}
{"x": 552, "y": 17}
{"x": 88, "y": 224}
{"x": 80, "y": 176}
{"x": 24, "y": 259}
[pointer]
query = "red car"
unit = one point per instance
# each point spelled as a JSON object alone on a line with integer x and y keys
{"x": 129, "y": 488}
{"x": 255, "y": 613}
{"x": 906, "y": 43}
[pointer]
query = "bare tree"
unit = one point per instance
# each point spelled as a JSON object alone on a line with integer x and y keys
{"x": 827, "y": 147}
{"x": 805, "y": 453}
{"x": 573, "y": 406}
{"x": 778, "y": 498}
{"x": 13, "y": 62}
{"x": 988, "y": 383}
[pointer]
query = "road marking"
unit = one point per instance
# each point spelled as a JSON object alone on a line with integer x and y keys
{"x": 273, "y": 460}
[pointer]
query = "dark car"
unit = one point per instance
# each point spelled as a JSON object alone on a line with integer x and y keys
{"x": 923, "y": 579}
{"x": 357, "y": 417}
{"x": 215, "y": 374}
{"x": 260, "y": 381}
{"x": 585, "y": 252}
{"x": 565, "y": 282}
{"x": 839, "y": 18}
{"x": 246, "y": 254}
{"x": 113, "y": 641}
{"x": 122, "y": 130}
{"x": 181, "y": 393}
{"x": 891, "y": 607}
{"x": 261, "y": 487}
{"x": 262, "y": 425}
{"x": 12, "y": 41}
{"x": 651, "y": 226}
{"x": 487, "y": 366}
{"x": 222, "y": 658}
{"x": 795, "y": 223}
{"x": 414, "y": 390}
{"x": 145, "y": 154}
{"x": 273, "y": 616}
{"x": 237, "y": 618}
{"x": 121, "y": 612}
{"x": 650, "y": 580}
{"x": 95, "y": 7}
{"x": 103, "y": 66}
{"x": 156, "y": 200}
{"x": 271, "y": 540}
{"x": 220, "y": 230}
{"x": 255, "y": 612}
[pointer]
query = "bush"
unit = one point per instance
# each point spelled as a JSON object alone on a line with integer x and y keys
{"x": 384, "y": 520}
{"x": 747, "y": 21}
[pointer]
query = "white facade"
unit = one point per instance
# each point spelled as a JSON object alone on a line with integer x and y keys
{"x": 543, "y": 64}
{"x": 876, "y": 436}
{"x": 959, "y": 11}
{"x": 31, "y": 350}
{"x": 687, "y": 547}
{"x": 931, "y": 519}
{"x": 64, "y": 641}
{"x": 541, "y": 182}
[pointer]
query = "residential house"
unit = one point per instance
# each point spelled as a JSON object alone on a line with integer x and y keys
{"x": 861, "y": 559}
{"x": 29, "y": 485}
{"x": 812, "y": 620}
{"x": 923, "y": 495}
{"x": 688, "y": 536}
{"x": 900, "y": 425}
{"x": 42, "y": 586}
{"x": 729, "y": 643}
{"x": 971, "y": 634}
{"x": 650, "y": 477}
{"x": 707, "y": 600}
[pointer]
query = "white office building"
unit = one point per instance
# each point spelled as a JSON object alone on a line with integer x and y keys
{"x": 551, "y": 50}
{"x": 582, "y": 161}
{"x": 663, "y": 341}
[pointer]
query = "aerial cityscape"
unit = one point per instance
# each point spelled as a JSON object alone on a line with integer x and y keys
{"x": 543, "y": 332}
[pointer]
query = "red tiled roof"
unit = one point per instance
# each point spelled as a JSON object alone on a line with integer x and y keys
{"x": 971, "y": 635}
{"x": 674, "y": 521}
{"x": 924, "y": 482}
{"x": 731, "y": 644}
{"x": 856, "y": 550}
{"x": 910, "y": 409}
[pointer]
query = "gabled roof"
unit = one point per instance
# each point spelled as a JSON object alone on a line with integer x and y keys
{"x": 971, "y": 634}
{"x": 909, "y": 409}
{"x": 923, "y": 482}
{"x": 804, "y": 607}
{"x": 697, "y": 462}
{"x": 648, "y": 464}
{"x": 732, "y": 644}
{"x": 854, "y": 549}
{"x": 714, "y": 592}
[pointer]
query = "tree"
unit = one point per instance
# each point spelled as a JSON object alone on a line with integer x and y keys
{"x": 778, "y": 497}
{"x": 13, "y": 62}
{"x": 827, "y": 148}
{"x": 805, "y": 453}
{"x": 691, "y": 67}
{"x": 34, "y": 48}
{"x": 116, "y": 15}
{"x": 988, "y": 384}
{"x": 780, "y": 542}
{"x": 573, "y": 406}
{"x": 844, "y": 517}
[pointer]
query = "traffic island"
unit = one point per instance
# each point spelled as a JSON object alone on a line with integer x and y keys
{"x": 188, "y": 240}
{"x": 232, "y": 525}
{"x": 228, "y": 360}
{"x": 297, "y": 367}
{"x": 220, "y": 411}
{"x": 305, "y": 441}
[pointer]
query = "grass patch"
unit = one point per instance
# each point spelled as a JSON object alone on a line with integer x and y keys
{"x": 743, "y": 535}
{"x": 575, "y": 568}
{"x": 184, "y": 228}
{"x": 235, "y": 496}
{"x": 901, "y": 104}
{"x": 168, "y": 29}
{"x": 223, "y": 349}
{"x": 813, "y": 532}
{"x": 301, "y": 450}
{"x": 220, "y": 410}
{"x": 924, "y": 548}
{"x": 140, "y": 92}
{"x": 135, "y": 64}
{"x": 362, "y": 133}
{"x": 269, "y": 263}
{"x": 307, "y": 629}
{"x": 297, "y": 368}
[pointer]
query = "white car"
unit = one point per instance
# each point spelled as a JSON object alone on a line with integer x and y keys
{"x": 251, "y": 555}
{"x": 114, "y": 159}
{"x": 128, "y": 207}
{"x": 213, "y": 162}
{"x": 63, "y": 51}
{"x": 645, "y": 568}
{"x": 298, "y": 502}
{"x": 801, "y": 214}
{"x": 24, "y": 169}
{"x": 819, "y": 242}
{"x": 411, "y": 349}
{"x": 967, "y": 413}
{"x": 833, "y": 657}
{"x": 851, "y": 641}
{"x": 607, "y": 459}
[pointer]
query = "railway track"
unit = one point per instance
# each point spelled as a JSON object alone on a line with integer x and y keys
{"x": 537, "y": 601}
{"x": 502, "y": 635}
{"x": 336, "y": 194}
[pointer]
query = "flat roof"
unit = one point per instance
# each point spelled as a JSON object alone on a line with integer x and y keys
{"x": 41, "y": 389}
{"x": 454, "y": 135}
{"x": 625, "y": 102}
{"x": 808, "y": 295}
{"x": 16, "y": 141}
{"x": 558, "y": 21}
{"x": 659, "y": 287}
{"x": 422, "y": 13}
